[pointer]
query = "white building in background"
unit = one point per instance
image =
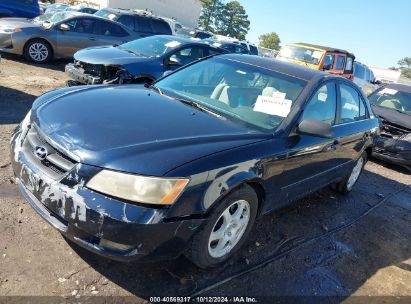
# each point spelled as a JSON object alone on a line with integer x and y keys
{"x": 186, "y": 12}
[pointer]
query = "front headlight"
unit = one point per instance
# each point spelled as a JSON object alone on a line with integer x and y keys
{"x": 141, "y": 189}
{"x": 9, "y": 30}
{"x": 26, "y": 122}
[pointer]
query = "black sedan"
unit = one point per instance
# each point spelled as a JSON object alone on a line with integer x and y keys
{"x": 187, "y": 165}
{"x": 392, "y": 103}
{"x": 140, "y": 61}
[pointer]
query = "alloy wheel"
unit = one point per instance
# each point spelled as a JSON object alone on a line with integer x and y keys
{"x": 38, "y": 52}
{"x": 355, "y": 173}
{"x": 229, "y": 228}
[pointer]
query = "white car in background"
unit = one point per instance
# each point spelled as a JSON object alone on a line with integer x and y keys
{"x": 364, "y": 78}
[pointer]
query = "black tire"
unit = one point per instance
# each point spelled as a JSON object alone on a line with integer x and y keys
{"x": 45, "y": 53}
{"x": 199, "y": 250}
{"x": 345, "y": 186}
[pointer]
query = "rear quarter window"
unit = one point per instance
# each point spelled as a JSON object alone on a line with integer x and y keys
{"x": 127, "y": 21}
{"x": 160, "y": 27}
{"x": 142, "y": 24}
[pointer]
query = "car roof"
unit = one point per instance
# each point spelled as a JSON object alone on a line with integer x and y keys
{"x": 275, "y": 65}
{"x": 184, "y": 39}
{"x": 326, "y": 48}
{"x": 133, "y": 13}
{"x": 399, "y": 87}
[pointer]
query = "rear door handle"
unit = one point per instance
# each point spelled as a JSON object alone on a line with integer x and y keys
{"x": 92, "y": 39}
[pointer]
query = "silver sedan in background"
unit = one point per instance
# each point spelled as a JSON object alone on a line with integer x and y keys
{"x": 59, "y": 35}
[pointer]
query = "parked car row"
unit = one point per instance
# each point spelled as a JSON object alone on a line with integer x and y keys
{"x": 59, "y": 35}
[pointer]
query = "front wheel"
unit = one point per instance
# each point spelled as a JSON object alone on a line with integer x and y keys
{"x": 38, "y": 51}
{"x": 226, "y": 230}
{"x": 347, "y": 184}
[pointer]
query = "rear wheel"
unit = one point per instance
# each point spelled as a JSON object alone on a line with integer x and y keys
{"x": 38, "y": 51}
{"x": 226, "y": 230}
{"x": 347, "y": 184}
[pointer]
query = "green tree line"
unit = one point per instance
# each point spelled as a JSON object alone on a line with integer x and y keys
{"x": 229, "y": 19}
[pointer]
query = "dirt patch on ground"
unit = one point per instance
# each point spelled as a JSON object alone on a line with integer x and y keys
{"x": 325, "y": 244}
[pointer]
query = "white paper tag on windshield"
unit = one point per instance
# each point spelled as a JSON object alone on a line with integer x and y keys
{"x": 388, "y": 91}
{"x": 111, "y": 16}
{"x": 273, "y": 105}
{"x": 172, "y": 44}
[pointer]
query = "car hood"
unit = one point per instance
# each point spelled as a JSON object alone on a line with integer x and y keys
{"x": 108, "y": 55}
{"x": 16, "y": 23}
{"x": 393, "y": 116}
{"x": 133, "y": 129}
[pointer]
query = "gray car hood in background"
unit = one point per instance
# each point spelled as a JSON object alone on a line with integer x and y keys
{"x": 17, "y": 23}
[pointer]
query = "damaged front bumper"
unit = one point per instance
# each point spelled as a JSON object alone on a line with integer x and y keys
{"x": 394, "y": 150}
{"x": 80, "y": 77}
{"x": 89, "y": 74}
{"x": 103, "y": 225}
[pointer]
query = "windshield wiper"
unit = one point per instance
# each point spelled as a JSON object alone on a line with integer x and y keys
{"x": 197, "y": 106}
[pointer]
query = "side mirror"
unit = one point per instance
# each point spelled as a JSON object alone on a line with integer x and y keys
{"x": 173, "y": 61}
{"x": 64, "y": 27}
{"x": 315, "y": 128}
{"x": 327, "y": 67}
{"x": 377, "y": 82}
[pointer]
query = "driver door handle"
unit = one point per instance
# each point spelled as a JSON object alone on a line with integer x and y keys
{"x": 92, "y": 38}
{"x": 333, "y": 147}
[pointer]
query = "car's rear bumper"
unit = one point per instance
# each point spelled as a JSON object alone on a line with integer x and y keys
{"x": 103, "y": 225}
{"x": 80, "y": 77}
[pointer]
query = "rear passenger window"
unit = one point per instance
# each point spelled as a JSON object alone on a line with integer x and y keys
{"x": 323, "y": 104}
{"x": 352, "y": 105}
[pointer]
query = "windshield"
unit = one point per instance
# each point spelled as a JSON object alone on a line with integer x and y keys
{"x": 107, "y": 14}
{"x": 52, "y": 17}
{"x": 57, "y": 6}
{"x": 247, "y": 94}
{"x": 301, "y": 54}
{"x": 392, "y": 99}
{"x": 153, "y": 46}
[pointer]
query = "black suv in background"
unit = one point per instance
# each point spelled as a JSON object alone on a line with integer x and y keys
{"x": 143, "y": 24}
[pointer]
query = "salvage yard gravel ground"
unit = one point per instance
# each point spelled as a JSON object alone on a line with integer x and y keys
{"x": 325, "y": 244}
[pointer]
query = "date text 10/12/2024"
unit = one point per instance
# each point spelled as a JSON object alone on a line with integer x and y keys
{"x": 203, "y": 299}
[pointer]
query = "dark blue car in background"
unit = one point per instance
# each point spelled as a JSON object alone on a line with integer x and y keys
{"x": 19, "y": 8}
{"x": 139, "y": 61}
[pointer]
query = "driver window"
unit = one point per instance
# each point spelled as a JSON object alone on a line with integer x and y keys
{"x": 190, "y": 54}
{"x": 323, "y": 104}
{"x": 84, "y": 25}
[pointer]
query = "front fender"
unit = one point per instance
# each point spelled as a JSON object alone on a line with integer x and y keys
{"x": 223, "y": 181}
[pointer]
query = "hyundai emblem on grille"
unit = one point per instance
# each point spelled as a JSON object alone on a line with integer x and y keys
{"x": 41, "y": 152}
